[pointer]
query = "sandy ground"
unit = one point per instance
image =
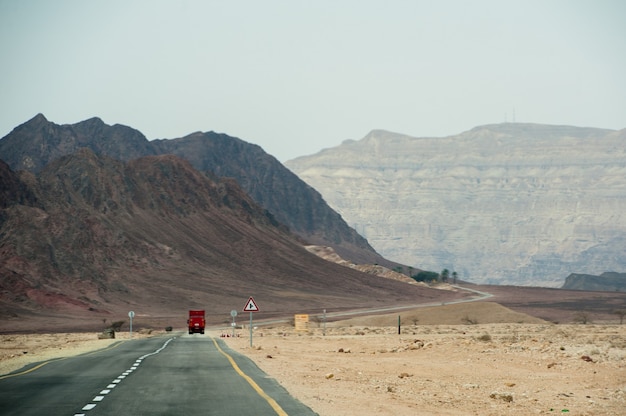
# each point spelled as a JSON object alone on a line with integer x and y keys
{"x": 479, "y": 359}
{"x": 18, "y": 350}
{"x": 525, "y": 366}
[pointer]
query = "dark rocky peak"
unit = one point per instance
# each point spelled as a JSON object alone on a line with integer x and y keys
{"x": 217, "y": 152}
{"x": 38, "y": 142}
{"x": 184, "y": 190}
{"x": 90, "y": 123}
{"x": 273, "y": 186}
{"x": 265, "y": 179}
{"x": 109, "y": 137}
{"x": 35, "y": 123}
{"x": 38, "y": 120}
{"x": 166, "y": 184}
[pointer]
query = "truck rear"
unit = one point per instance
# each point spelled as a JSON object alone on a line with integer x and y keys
{"x": 196, "y": 321}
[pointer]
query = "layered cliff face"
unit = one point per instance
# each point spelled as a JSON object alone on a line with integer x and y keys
{"x": 511, "y": 203}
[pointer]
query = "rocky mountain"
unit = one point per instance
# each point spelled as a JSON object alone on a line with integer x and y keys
{"x": 606, "y": 282}
{"x": 512, "y": 203}
{"x": 88, "y": 238}
{"x": 34, "y": 144}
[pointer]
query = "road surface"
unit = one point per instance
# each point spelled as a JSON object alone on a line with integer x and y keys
{"x": 176, "y": 375}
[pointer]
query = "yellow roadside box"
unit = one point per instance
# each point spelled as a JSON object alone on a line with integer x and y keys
{"x": 301, "y": 322}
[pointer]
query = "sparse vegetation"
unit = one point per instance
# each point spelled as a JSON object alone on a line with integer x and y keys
{"x": 621, "y": 313}
{"x": 425, "y": 276}
{"x": 117, "y": 325}
{"x": 430, "y": 277}
{"x": 582, "y": 317}
{"x": 467, "y": 320}
{"x": 315, "y": 319}
{"x": 484, "y": 337}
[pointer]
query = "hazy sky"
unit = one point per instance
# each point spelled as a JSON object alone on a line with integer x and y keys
{"x": 298, "y": 76}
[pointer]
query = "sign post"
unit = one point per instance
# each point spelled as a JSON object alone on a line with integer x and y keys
{"x": 233, "y": 313}
{"x": 250, "y": 307}
{"x": 131, "y": 315}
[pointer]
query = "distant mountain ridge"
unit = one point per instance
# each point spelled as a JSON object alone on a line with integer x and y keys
{"x": 34, "y": 144}
{"x": 512, "y": 203}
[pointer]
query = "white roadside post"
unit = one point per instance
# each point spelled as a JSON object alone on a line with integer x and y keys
{"x": 233, "y": 313}
{"x": 131, "y": 315}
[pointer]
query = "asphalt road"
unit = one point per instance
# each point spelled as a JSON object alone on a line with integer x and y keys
{"x": 177, "y": 375}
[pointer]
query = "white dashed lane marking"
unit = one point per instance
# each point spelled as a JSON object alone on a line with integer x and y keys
{"x": 119, "y": 379}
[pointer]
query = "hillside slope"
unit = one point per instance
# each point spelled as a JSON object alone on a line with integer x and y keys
{"x": 34, "y": 144}
{"x": 90, "y": 238}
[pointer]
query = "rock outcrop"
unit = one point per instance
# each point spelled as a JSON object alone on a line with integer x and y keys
{"x": 606, "y": 282}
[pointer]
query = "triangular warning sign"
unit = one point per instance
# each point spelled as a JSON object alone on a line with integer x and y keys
{"x": 250, "y": 306}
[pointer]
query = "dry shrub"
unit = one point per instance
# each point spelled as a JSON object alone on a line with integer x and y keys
{"x": 484, "y": 338}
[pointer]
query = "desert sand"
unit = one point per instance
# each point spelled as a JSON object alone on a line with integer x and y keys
{"x": 19, "y": 350}
{"x": 474, "y": 359}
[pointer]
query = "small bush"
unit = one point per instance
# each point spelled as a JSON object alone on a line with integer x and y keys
{"x": 117, "y": 326}
{"x": 469, "y": 321}
{"x": 484, "y": 337}
{"x": 582, "y": 318}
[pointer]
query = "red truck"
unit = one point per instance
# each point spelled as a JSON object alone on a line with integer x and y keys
{"x": 196, "y": 321}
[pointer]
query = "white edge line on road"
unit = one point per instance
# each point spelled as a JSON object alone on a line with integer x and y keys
{"x": 119, "y": 379}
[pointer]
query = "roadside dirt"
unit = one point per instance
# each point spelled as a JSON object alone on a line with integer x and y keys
{"x": 526, "y": 366}
{"x": 19, "y": 350}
